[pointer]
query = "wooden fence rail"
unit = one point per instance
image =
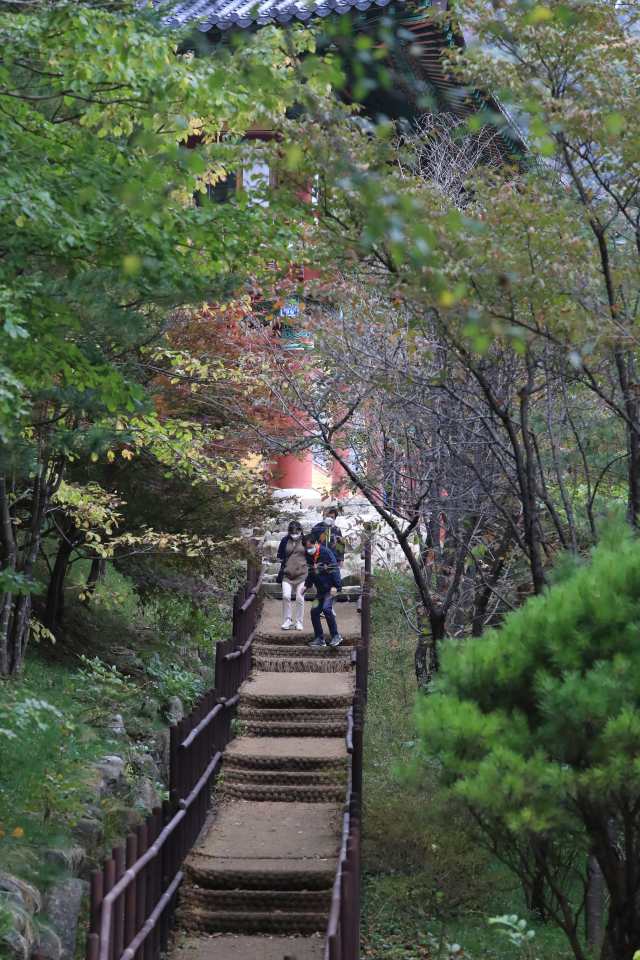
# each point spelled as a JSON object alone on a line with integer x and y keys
{"x": 343, "y": 931}
{"x": 133, "y": 895}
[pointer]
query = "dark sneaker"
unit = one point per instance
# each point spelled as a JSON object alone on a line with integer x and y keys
{"x": 336, "y": 640}
{"x": 317, "y": 642}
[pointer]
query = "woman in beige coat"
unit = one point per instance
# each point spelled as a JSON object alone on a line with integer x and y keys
{"x": 293, "y": 572}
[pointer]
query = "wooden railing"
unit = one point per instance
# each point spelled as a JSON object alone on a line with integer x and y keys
{"x": 343, "y": 931}
{"x": 133, "y": 895}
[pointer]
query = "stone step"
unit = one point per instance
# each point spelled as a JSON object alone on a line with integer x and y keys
{"x": 265, "y": 866}
{"x": 234, "y": 946}
{"x": 310, "y": 691}
{"x": 311, "y": 728}
{"x": 343, "y": 652}
{"x": 261, "y": 901}
{"x": 246, "y": 713}
{"x": 285, "y": 778}
{"x": 301, "y": 664}
{"x": 198, "y": 920}
{"x": 292, "y": 754}
{"x": 317, "y": 793}
{"x": 261, "y": 874}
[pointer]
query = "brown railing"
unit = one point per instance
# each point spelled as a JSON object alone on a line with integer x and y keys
{"x": 343, "y": 931}
{"x": 133, "y": 896}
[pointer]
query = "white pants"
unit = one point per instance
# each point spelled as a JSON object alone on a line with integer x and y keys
{"x": 286, "y": 601}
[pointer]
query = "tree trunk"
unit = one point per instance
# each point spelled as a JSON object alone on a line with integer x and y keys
{"x": 54, "y": 610}
{"x": 483, "y": 594}
{"x": 538, "y": 902}
{"x": 426, "y": 655}
{"x": 422, "y": 654}
{"x": 626, "y": 374}
{"x": 92, "y": 579}
{"x": 594, "y": 904}
{"x": 17, "y": 634}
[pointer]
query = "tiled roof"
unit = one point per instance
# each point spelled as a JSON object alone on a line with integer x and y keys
{"x": 242, "y": 13}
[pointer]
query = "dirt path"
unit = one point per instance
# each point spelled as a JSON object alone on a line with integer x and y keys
{"x": 258, "y": 885}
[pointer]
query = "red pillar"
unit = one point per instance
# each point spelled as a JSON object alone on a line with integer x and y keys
{"x": 294, "y": 473}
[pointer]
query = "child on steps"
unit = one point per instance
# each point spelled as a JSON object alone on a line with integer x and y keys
{"x": 324, "y": 575}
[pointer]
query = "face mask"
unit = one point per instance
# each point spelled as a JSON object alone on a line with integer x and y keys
{"x": 329, "y": 521}
{"x": 295, "y": 536}
{"x": 311, "y": 550}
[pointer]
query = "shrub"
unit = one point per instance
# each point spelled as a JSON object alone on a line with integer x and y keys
{"x": 169, "y": 680}
{"x": 537, "y": 727}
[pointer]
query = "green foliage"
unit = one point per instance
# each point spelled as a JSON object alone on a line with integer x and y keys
{"x": 12, "y": 582}
{"x": 169, "y": 679}
{"x": 101, "y": 240}
{"x": 43, "y": 771}
{"x": 516, "y": 932}
{"x": 20, "y": 713}
{"x": 428, "y": 883}
{"x": 537, "y": 728}
{"x": 100, "y": 688}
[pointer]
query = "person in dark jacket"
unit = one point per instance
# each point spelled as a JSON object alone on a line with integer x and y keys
{"x": 324, "y": 575}
{"x": 329, "y": 534}
{"x": 293, "y": 571}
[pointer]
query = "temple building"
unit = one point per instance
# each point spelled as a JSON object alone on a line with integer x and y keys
{"x": 420, "y": 84}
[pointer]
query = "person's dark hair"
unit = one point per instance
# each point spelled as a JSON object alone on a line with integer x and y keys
{"x": 295, "y": 525}
{"x": 331, "y": 510}
{"x": 310, "y": 538}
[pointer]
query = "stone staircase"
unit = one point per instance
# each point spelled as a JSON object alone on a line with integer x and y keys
{"x": 267, "y": 863}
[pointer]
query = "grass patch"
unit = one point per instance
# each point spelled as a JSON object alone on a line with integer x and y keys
{"x": 427, "y": 881}
{"x": 46, "y": 780}
{"x": 43, "y": 771}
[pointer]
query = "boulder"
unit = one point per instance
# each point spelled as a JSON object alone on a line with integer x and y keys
{"x": 175, "y": 710}
{"x": 111, "y": 776}
{"x": 127, "y": 820}
{"x": 146, "y": 765}
{"x": 150, "y": 709}
{"x": 208, "y": 675}
{"x": 149, "y": 767}
{"x": 87, "y": 832}
{"x": 145, "y": 795}
{"x": 19, "y": 892}
{"x": 139, "y": 728}
{"x": 161, "y": 754}
{"x": 116, "y": 725}
{"x": 70, "y": 859}
{"x": 62, "y": 908}
{"x": 49, "y": 944}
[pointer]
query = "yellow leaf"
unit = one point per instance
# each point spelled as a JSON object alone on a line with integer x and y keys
{"x": 18, "y": 832}
{"x": 446, "y": 299}
{"x": 111, "y": 456}
{"x": 539, "y": 14}
{"x": 127, "y": 454}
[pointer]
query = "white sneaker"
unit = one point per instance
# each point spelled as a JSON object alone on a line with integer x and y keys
{"x": 287, "y": 624}
{"x": 299, "y": 625}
